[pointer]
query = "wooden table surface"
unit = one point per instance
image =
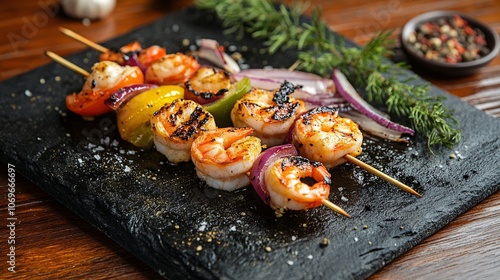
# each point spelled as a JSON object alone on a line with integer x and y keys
{"x": 53, "y": 243}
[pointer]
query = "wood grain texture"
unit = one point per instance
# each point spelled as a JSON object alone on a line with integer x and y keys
{"x": 53, "y": 243}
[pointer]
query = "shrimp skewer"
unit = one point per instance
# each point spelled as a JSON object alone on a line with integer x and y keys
{"x": 176, "y": 125}
{"x": 224, "y": 156}
{"x": 105, "y": 78}
{"x": 284, "y": 181}
{"x": 271, "y": 114}
{"x": 144, "y": 56}
{"x": 321, "y": 135}
{"x": 172, "y": 69}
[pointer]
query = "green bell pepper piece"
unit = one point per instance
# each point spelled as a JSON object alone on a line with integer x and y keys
{"x": 221, "y": 109}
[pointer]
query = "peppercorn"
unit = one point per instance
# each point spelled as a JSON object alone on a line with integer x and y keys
{"x": 450, "y": 40}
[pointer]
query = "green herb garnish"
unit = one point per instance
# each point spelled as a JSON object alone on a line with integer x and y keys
{"x": 319, "y": 51}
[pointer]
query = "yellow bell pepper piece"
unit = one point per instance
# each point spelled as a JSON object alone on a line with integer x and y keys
{"x": 133, "y": 117}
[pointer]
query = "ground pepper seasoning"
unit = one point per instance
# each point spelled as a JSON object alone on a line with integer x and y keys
{"x": 449, "y": 40}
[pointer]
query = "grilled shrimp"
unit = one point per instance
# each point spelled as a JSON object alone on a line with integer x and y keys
{"x": 224, "y": 156}
{"x": 284, "y": 180}
{"x": 172, "y": 69}
{"x": 321, "y": 135}
{"x": 106, "y": 78}
{"x": 119, "y": 56}
{"x": 176, "y": 125}
{"x": 270, "y": 114}
{"x": 144, "y": 56}
{"x": 207, "y": 84}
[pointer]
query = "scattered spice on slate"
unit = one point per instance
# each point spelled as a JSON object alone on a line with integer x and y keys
{"x": 449, "y": 40}
{"x": 324, "y": 242}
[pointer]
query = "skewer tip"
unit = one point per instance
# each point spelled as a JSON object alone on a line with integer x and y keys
{"x": 57, "y": 58}
{"x": 412, "y": 191}
{"x": 336, "y": 208}
{"x": 80, "y": 38}
{"x": 382, "y": 175}
{"x": 63, "y": 29}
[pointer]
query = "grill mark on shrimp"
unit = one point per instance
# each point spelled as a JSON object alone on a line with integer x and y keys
{"x": 269, "y": 113}
{"x": 176, "y": 125}
{"x": 282, "y": 95}
{"x": 307, "y": 116}
{"x": 196, "y": 121}
{"x": 206, "y": 94}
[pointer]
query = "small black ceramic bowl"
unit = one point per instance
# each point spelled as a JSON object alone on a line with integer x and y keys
{"x": 443, "y": 68}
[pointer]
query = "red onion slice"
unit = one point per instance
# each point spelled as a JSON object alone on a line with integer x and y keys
{"x": 134, "y": 61}
{"x": 350, "y": 94}
{"x": 211, "y": 51}
{"x": 124, "y": 94}
{"x": 318, "y": 92}
{"x": 262, "y": 162}
{"x": 311, "y": 83}
{"x": 369, "y": 126}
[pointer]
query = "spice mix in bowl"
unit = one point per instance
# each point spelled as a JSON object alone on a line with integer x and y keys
{"x": 449, "y": 43}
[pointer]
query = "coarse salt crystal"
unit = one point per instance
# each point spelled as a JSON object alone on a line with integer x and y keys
{"x": 289, "y": 262}
{"x": 127, "y": 168}
{"x": 203, "y": 226}
{"x": 233, "y": 228}
{"x": 356, "y": 239}
{"x": 98, "y": 157}
{"x": 343, "y": 198}
{"x": 28, "y": 93}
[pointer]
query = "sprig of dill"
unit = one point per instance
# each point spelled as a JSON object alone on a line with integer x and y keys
{"x": 319, "y": 51}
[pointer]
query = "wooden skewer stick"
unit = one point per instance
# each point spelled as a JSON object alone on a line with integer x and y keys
{"x": 380, "y": 174}
{"x": 67, "y": 64}
{"x": 335, "y": 208}
{"x": 83, "y": 40}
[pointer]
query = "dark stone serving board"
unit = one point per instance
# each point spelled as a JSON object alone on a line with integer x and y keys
{"x": 162, "y": 213}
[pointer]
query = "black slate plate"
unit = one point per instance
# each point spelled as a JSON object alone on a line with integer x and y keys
{"x": 164, "y": 215}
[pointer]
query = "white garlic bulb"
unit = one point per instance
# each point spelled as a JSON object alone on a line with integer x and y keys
{"x": 91, "y": 9}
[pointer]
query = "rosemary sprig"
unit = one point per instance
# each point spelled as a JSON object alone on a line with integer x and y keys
{"x": 319, "y": 51}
